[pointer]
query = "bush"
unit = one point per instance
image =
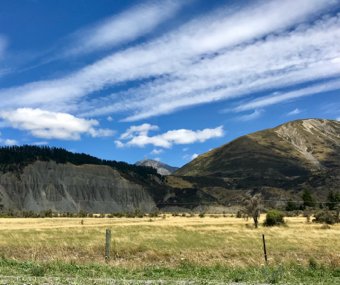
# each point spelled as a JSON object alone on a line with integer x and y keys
{"x": 46, "y": 214}
{"x": 292, "y": 206}
{"x": 274, "y": 218}
{"x": 239, "y": 214}
{"x": 82, "y": 214}
{"x": 325, "y": 217}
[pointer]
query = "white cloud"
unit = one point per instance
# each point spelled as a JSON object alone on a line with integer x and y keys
{"x": 40, "y": 143}
{"x": 296, "y": 111}
{"x": 119, "y": 144}
{"x": 278, "y": 61}
{"x": 101, "y": 132}
{"x": 249, "y": 117}
{"x": 109, "y": 119}
{"x": 140, "y": 130}
{"x": 51, "y": 125}
{"x": 288, "y": 96}
{"x": 141, "y": 138}
{"x": 156, "y": 151}
{"x": 10, "y": 142}
{"x": 195, "y": 155}
{"x": 228, "y": 54}
{"x": 122, "y": 28}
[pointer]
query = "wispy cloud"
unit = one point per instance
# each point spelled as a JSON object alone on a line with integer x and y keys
{"x": 52, "y": 125}
{"x": 156, "y": 151}
{"x": 288, "y": 96}
{"x": 124, "y": 27}
{"x": 3, "y": 46}
{"x": 139, "y": 136}
{"x": 229, "y": 53}
{"x": 249, "y": 117}
{"x": 40, "y": 143}
{"x": 294, "y": 112}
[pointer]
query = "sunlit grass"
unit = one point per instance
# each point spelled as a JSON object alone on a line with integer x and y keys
{"x": 137, "y": 242}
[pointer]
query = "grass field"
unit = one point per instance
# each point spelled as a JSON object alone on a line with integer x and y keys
{"x": 168, "y": 247}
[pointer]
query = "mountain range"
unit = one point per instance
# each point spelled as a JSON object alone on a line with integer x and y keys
{"x": 279, "y": 163}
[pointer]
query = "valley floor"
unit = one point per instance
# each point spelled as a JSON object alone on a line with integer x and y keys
{"x": 213, "y": 248}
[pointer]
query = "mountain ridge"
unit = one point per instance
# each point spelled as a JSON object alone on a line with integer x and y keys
{"x": 279, "y": 162}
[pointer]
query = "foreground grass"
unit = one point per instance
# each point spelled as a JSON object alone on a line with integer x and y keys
{"x": 101, "y": 274}
{"x": 221, "y": 249}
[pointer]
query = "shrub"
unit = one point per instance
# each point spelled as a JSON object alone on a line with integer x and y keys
{"x": 201, "y": 215}
{"x": 325, "y": 217}
{"x": 274, "y": 218}
{"x": 292, "y": 206}
{"x": 46, "y": 214}
{"x": 239, "y": 214}
{"x": 82, "y": 214}
{"x": 154, "y": 214}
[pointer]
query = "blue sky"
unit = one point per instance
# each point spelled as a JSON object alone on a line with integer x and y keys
{"x": 168, "y": 80}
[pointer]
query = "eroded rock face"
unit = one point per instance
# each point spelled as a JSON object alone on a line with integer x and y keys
{"x": 70, "y": 188}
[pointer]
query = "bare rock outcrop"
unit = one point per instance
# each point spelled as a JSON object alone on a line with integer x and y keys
{"x": 69, "y": 188}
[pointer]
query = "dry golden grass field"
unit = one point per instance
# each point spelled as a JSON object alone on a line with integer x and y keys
{"x": 137, "y": 242}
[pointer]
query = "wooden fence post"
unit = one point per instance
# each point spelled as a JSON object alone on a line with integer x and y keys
{"x": 107, "y": 244}
{"x": 264, "y": 249}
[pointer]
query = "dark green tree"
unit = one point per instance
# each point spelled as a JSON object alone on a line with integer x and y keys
{"x": 292, "y": 206}
{"x": 333, "y": 200}
{"x": 308, "y": 199}
{"x": 1, "y": 205}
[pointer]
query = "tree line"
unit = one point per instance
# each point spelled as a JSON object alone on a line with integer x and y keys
{"x": 15, "y": 158}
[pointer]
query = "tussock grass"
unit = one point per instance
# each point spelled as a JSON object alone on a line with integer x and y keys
{"x": 210, "y": 248}
{"x": 139, "y": 242}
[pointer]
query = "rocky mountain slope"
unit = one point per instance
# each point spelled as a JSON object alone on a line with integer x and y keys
{"x": 34, "y": 178}
{"x": 70, "y": 188}
{"x": 292, "y": 156}
{"x": 162, "y": 168}
{"x": 41, "y": 178}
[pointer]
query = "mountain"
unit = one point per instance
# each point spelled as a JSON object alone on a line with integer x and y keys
{"x": 36, "y": 178}
{"x": 162, "y": 168}
{"x": 279, "y": 163}
{"x": 41, "y": 178}
{"x": 293, "y": 156}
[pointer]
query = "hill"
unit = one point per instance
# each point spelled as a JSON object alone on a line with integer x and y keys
{"x": 293, "y": 156}
{"x": 36, "y": 178}
{"x": 40, "y": 178}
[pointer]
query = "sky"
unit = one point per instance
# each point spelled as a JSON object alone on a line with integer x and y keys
{"x": 165, "y": 80}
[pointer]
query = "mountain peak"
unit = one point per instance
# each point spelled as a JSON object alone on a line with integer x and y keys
{"x": 292, "y": 151}
{"x": 162, "y": 168}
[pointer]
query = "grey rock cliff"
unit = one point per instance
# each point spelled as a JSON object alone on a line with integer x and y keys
{"x": 71, "y": 188}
